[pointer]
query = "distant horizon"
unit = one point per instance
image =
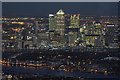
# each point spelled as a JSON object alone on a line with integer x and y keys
{"x": 48, "y": 16}
{"x": 43, "y": 9}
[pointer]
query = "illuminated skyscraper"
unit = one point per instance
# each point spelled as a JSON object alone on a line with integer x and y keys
{"x": 36, "y": 28}
{"x": 51, "y": 27}
{"x": 97, "y": 29}
{"x": 111, "y": 36}
{"x": 60, "y": 22}
{"x": 93, "y": 35}
{"x": 57, "y": 27}
{"x": 73, "y": 29}
{"x": 51, "y": 22}
{"x": 35, "y": 36}
{"x": 74, "y": 22}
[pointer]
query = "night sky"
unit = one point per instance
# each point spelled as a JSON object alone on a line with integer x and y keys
{"x": 43, "y": 9}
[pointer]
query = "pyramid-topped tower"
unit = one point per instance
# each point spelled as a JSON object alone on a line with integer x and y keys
{"x": 60, "y": 12}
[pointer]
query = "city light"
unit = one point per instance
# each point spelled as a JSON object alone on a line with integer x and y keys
{"x": 63, "y": 44}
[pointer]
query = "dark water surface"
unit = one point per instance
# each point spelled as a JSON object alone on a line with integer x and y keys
{"x": 57, "y": 73}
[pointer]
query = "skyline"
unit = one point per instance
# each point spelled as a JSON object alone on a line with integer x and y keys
{"x": 43, "y": 9}
{"x": 59, "y": 41}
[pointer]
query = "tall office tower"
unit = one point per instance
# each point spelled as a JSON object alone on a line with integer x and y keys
{"x": 93, "y": 35}
{"x": 111, "y": 36}
{"x": 35, "y": 36}
{"x": 89, "y": 37}
{"x": 36, "y": 28}
{"x": 51, "y": 27}
{"x": 25, "y": 34}
{"x": 99, "y": 42}
{"x": 74, "y": 22}
{"x": 97, "y": 29}
{"x": 60, "y": 23}
{"x": 19, "y": 40}
{"x": 73, "y": 29}
{"x": 51, "y": 22}
{"x": 82, "y": 34}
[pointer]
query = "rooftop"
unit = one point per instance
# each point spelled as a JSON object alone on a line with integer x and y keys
{"x": 60, "y": 12}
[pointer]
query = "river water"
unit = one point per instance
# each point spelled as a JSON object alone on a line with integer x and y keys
{"x": 57, "y": 73}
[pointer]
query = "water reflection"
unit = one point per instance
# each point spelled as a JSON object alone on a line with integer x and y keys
{"x": 43, "y": 71}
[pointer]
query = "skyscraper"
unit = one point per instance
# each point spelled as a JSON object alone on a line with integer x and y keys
{"x": 57, "y": 27}
{"x": 74, "y": 21}
{"x": 60, "y": 23}
{"x": 35, "y": 36}
{"x": 93, "y": 35}
{"x": 51, "y": 27}
{"x": 73, "y": 29}
{"x": 51, "y": 22}
{"x": 111, "y": 36}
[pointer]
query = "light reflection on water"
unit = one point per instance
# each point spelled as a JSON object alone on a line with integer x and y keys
{"x": 42, "y": 71}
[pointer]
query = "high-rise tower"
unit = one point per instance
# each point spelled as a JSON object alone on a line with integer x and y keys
{"x": 51, "y": 22}
{"x": 60, "y": 22}
{"x": 73, "y": 29}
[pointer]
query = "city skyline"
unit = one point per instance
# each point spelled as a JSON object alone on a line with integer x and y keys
{"x": 53, "y": 42}
{"x": 43, "y": 9}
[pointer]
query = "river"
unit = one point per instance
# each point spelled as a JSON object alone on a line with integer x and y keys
{"x": 57, "y": 73}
